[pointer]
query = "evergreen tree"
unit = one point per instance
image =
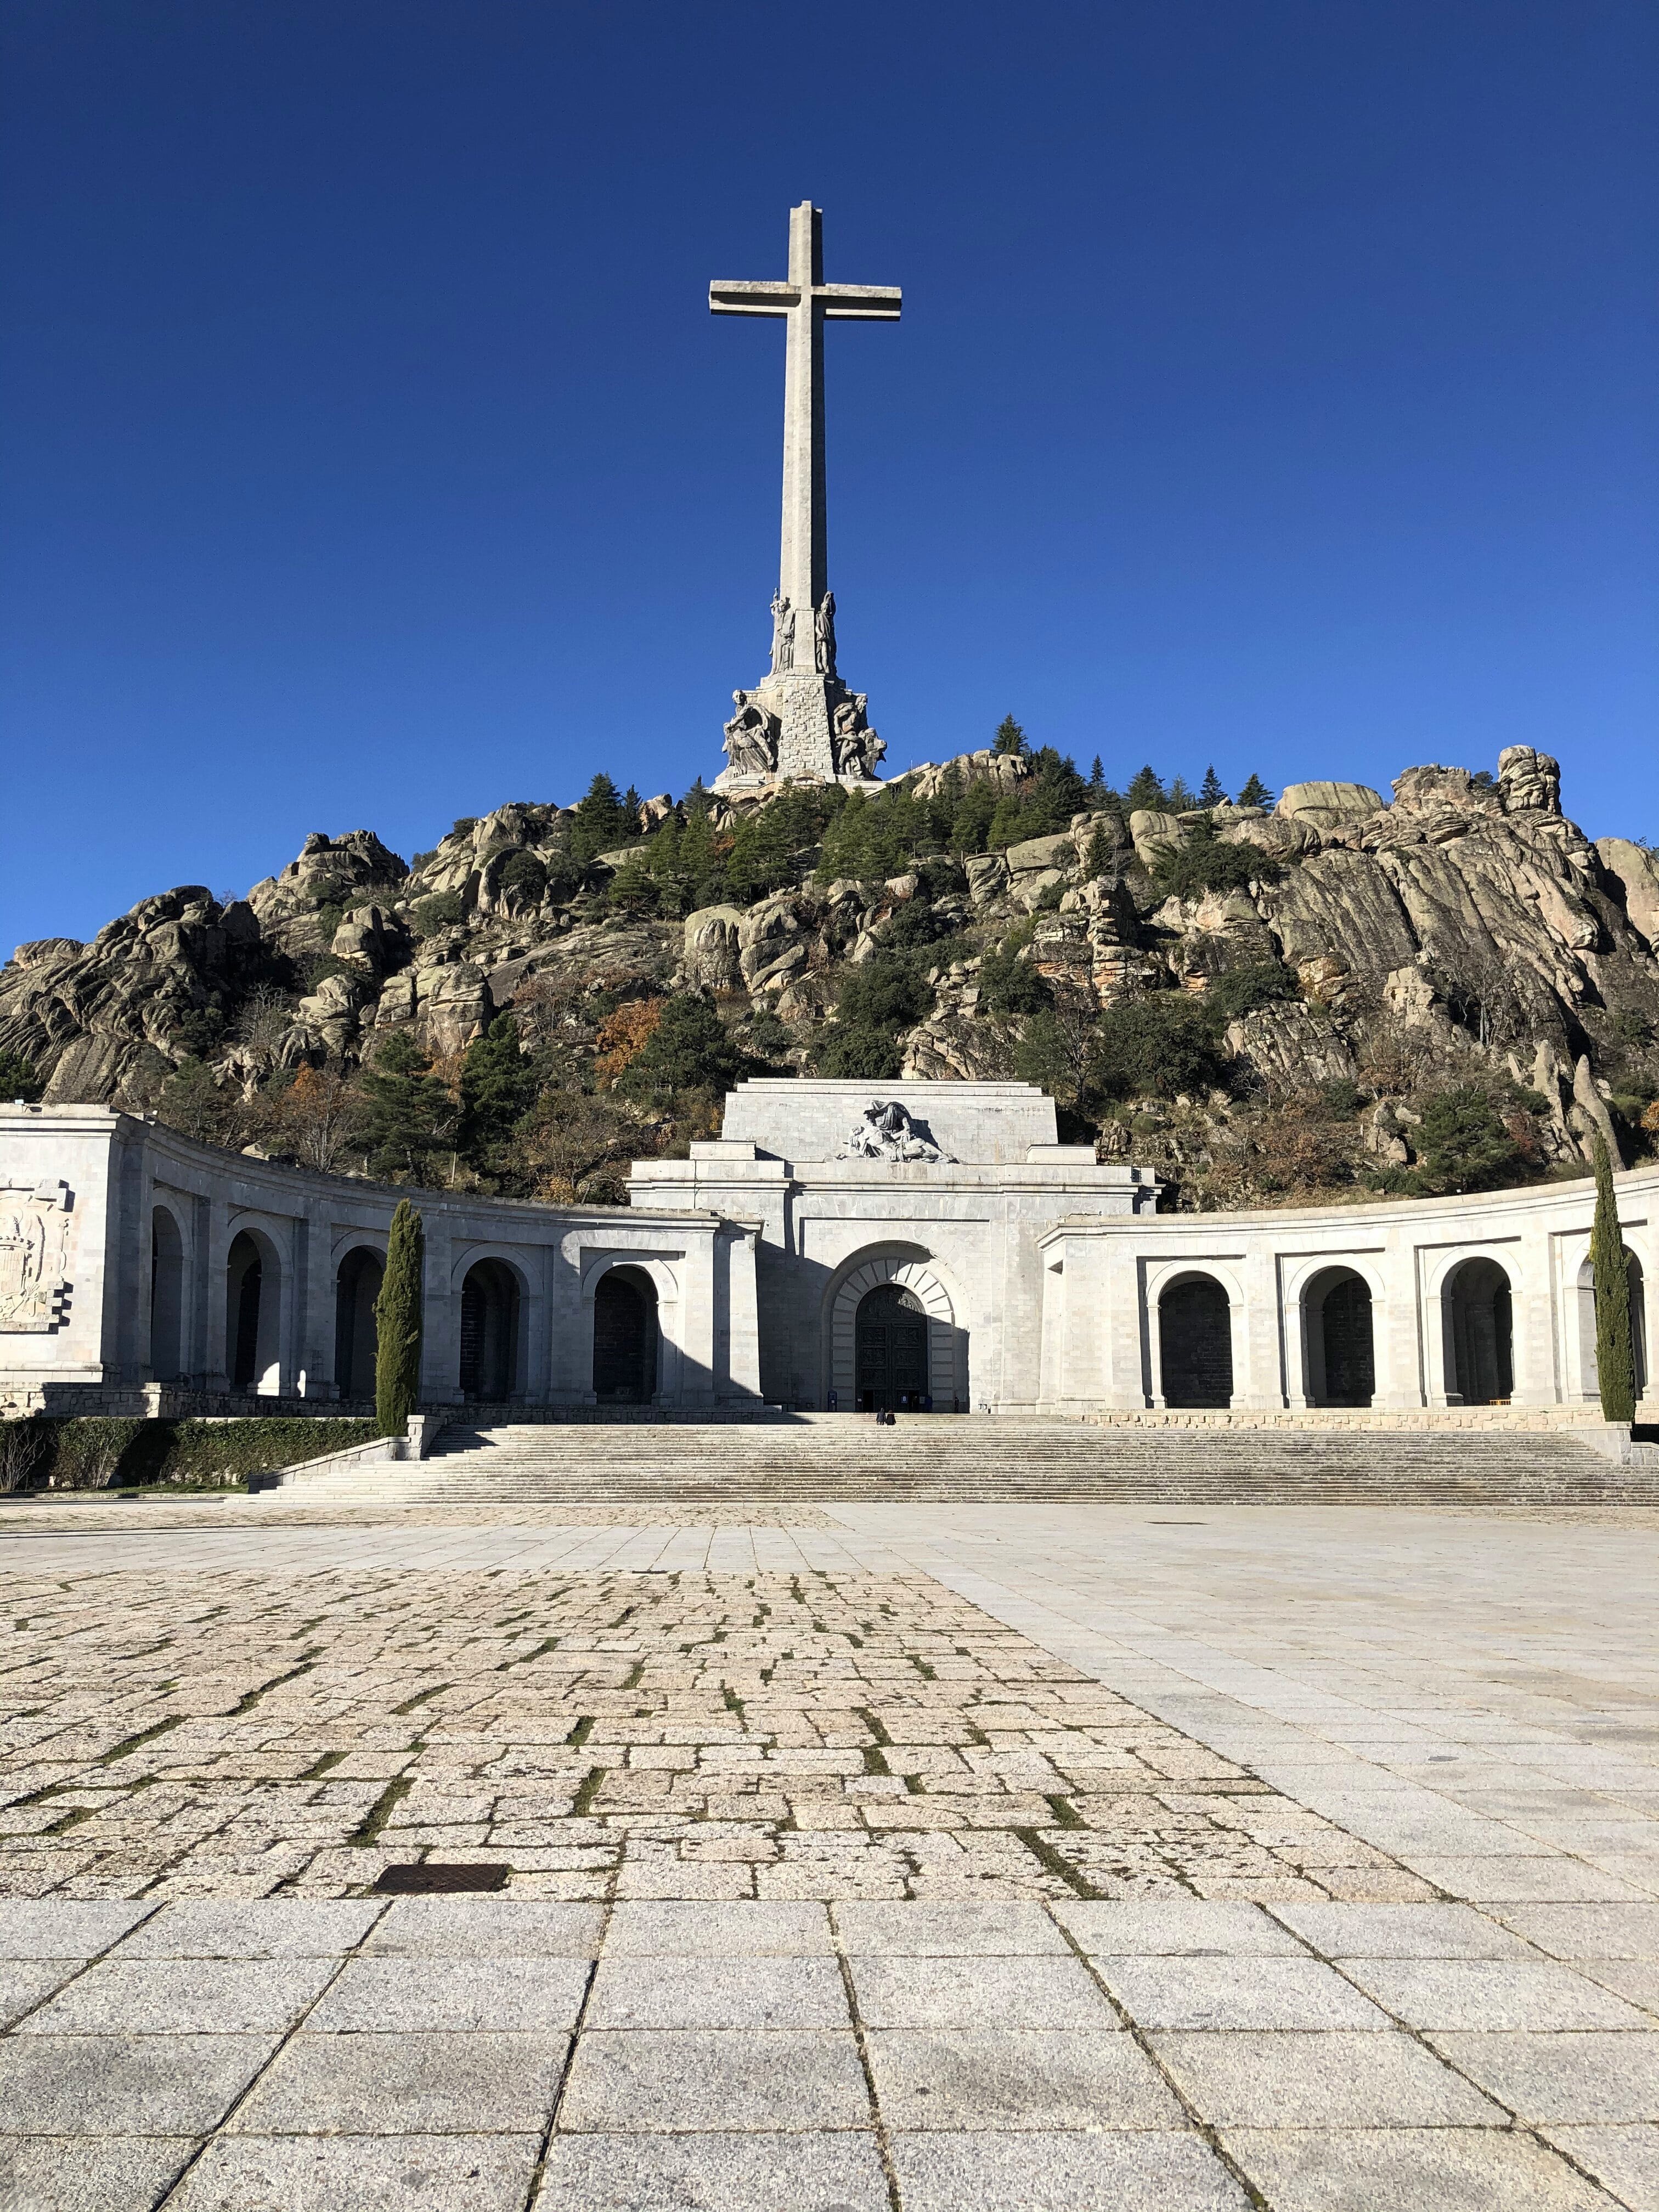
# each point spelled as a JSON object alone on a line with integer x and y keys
{"x": 1615, "y": 1361}
{"x": 1010, "y": 737}
{"x": 397, "y": 1324}
{"x": 1096, "y": 778}
{"x": 1210, "y": 793}
{"x": 602, "y": 822}
{"x": 1179, "y": 799}
{"x": 688, "y": 1049}
{"x": 407, "y": 1116}
{"x": 1145, "y": 790}
{"x": 1255, "y": 793}
{"x": 498, "y": 1089}
{"x": 18, "y": 1078}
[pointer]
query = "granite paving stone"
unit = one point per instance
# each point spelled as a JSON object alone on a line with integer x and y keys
{"x": 1491, "y": 1993}
{"x": 1332, "y": 2078}
{"x": 395, "y": 1996}
{"x": 1569, "y": 2076}
{"x": 416, "y": 2082}
{"x": 713, "y": 2172}
{"x": 183, "y": 1997}
{"x": 1624, "y": 2159}
{"x": 1178, "y": 1927}
{"x": 360, "y": 2173}
{"x": 967, "y": 2078}
{"x": 1410, "y": 2170}
{"x": 1062, "y": 2173}
{"x": 730, "y": 1993}
{"x": 650, "y": 2080}
{"x": 113, "y": 2085}
{"x": 957, "y": 1992}
{"x": 253, "y": 1928}
{"x": 89, "y": 2173}
{"x": 1215, "y": 1993}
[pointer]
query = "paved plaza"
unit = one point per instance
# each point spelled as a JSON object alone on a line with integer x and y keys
{"x": 855, "y": 1856}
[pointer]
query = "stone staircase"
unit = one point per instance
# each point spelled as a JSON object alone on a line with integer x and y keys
{"x": 802, "y": 1459}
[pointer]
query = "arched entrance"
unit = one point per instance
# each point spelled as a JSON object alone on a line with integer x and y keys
{"x": 356, "y": 1338}
{"x": 167, "y": 1297}
{"x": 1482, "y": 1365}
{"x": 1195, "y": 1338}
{"x": 625, "y": 1334}
{"x": 945, "y": 1367}
{"x": 890, "y": 1349}
{"x": 490, "y": 1331}
{"x": 1341, "y": 1351}
{"x": 252, "y": 1312}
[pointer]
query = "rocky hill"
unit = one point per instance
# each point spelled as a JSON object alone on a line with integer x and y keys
{"x": 1453, "y": 989}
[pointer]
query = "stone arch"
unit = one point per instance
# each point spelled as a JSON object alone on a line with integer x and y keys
{"x": 947, "y": 1342}
{"x": 357, "y": 1282}
{"x": 253, "y": 1314}
{"x": 627, "y": 1336}
{"x": 1477, "y": 1303}
{"x": 491, "y": 1310}
{"x": 1338, "y": 1322}
{"x": 1639, "y": 1324}
{"x": 1195, "y": 1341}
{"x": 166, "y": 1296}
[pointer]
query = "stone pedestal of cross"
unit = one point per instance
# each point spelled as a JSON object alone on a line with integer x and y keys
{"x": 801, "y": 719}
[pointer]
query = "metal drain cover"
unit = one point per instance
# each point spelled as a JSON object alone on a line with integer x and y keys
{"x": 430, "y": 1878}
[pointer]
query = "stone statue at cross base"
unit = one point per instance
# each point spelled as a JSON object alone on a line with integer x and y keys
{"x": 855, "y": 746}
{"x": 751, "y": 738}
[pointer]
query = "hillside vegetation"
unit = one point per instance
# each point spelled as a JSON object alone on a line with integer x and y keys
{"x": 1267, "y": 1002}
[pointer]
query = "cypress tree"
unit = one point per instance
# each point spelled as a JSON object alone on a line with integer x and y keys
{"x": 1615, "y": 1363}
{"x": 397, "y": 1324}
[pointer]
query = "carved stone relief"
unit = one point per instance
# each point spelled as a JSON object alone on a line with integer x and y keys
{"x": 33, "y": 1249}
{"x": 885, "y": 1131}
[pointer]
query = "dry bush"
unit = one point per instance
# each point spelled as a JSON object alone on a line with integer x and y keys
{"x": 623, "y": 1037}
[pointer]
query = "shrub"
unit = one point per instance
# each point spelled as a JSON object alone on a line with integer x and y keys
{"x": 858, "y": 1051}
{"x": 1340, "y": 1098}
{"x": 1239, "y": 991}
{"x": 688, "y": 1049}
{"x": 885, "y": 993}
{"x": 1009, "y": 984}
{"x": 183, "y": 1453}
{"x": 526, "y": 874}
{"x": 19, "y": 1080}
{"x": 1206, "y": 863}
{"x": 23, "y": 1446}
{"x": 1161, "y": 1044}
{"x": 1463, "y": 1143}
{"x": 431, "y": 914}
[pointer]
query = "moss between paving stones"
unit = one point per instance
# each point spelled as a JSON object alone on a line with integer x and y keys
{"x": 98, "y": 1453}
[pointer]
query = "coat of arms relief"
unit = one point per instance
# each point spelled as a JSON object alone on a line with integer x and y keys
{"x": 34, "y": 1222}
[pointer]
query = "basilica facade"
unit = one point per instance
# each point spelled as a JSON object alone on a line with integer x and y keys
{"x": 839, "y": 1246}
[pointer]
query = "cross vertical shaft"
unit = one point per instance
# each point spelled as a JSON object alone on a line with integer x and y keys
{"x": 802, "y": 568}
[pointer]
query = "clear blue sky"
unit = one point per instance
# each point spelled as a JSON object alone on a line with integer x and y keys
{"x": 1275, "y": 388}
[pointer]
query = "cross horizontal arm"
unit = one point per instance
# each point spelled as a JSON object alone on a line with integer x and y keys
{"x": 859, "y": 303}
{"x": 736, "y": 299}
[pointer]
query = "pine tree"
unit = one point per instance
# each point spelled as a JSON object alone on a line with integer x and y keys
{"x": 498, "y": 1088}
{"x": 1615, "y": 1362}
{"x": 1010, "y": 737}
{"x": 1255, "y": 793}
{"x": 407, "y": 1116}
{"x": 1146, "y": 792}
{"x": 1210, "y": 793}
{"x": 1179, "y": 799}
{"x": 1096, "y": 778}
{"x": 602, "y": 822}
{"x": 397, "y": 1324}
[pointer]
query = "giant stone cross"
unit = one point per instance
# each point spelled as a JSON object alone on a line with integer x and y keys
{"x": 801, "y": 719}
